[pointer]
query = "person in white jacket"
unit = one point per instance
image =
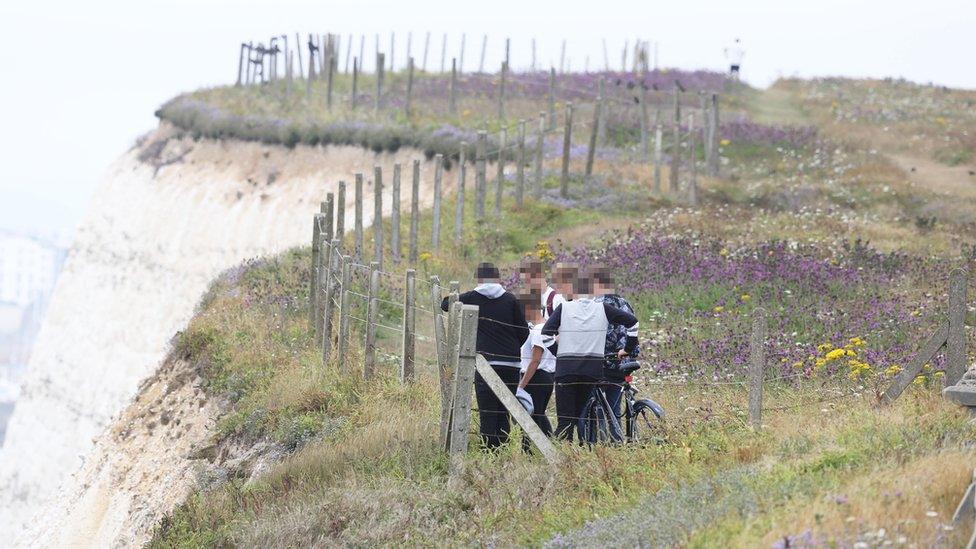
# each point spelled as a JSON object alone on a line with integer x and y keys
{"x": 734, "y": 54}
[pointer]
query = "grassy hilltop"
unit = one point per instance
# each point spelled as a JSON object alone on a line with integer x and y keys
{"x": 840, "y": 208}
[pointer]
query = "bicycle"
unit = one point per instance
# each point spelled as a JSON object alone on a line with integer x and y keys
{"x": 642, "y": 417}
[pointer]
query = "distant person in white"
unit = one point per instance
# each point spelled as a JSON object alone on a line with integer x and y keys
{"x": 734, "y": 55}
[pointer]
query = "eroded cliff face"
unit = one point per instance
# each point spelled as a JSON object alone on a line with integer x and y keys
{"x": 171, "y": 214}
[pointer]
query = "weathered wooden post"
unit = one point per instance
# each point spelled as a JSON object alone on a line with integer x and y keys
{"x": 459, "y": 195}
{"x": 757, "y": 367}
{"x": 395, "y": 216}
{"x": 406, "y": 108}
{"x": 334, "y": 262}
{"x": 676, "y": 140}
{"x": 693, "y": 172}
{"x": 355, "y": 83}
{"x": 480, "y": 175}
{"x": 552, "y": 98}
{"x": 484, "y": 46}
{"x": 313, "y": 278}
{"x": 520, "y": 171}
{"x": 594, "y": 131}
{"x": 340, "y": 211}
{"x": 435, "y": 229}
{"x": 372, "y": 318}
{"x": 567, "y": 141}
{"x": 500, "y": 177}
{"x": 378, "y": 101}
{"x": 342, "y": 340}
{"x": 453, "y": 100}
{"x": 409, "y": 327}
{"x": 359, "y": 216}
{"x": 414, "y": 212}
{"x": 539, "y": 144}
{"x": 463, "y": 387}
{"x": 378, "y": 215}
{"x": 956, "y": 340}
{"x": 658, "y": 157}
{"x": 713, "y": 161}
{"x": 501, "y": 92}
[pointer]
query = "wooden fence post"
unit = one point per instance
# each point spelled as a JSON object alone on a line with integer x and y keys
{"x": 480, "y": 175}
{"x": 956, "y": 340}
{"x": 395, "y": 216}
{"x": 372, "y": 318}
{"x": 591, "y": 150}
{"x": 658, "y": 157}
{"x": 355, "y": 83}
{"x": 409, "y": 327}
{"x": 406, "y": 108}
{"x": 463, "y": 387}
{"x": 314, "y": 270}
{"x": 328, "y": 306}
{"x": 340, "y": 211}
{"x": 378, "y": 215}
{"x": 515, "y": 408}
{"x": 520, "y": 171}
{"x": 452, "y": 105}
{"x": 552, "y": 98}
{"x": 435, "y": 229}
{"x": 539, "y": 143}
{"x": 378, "y": 101}
{"x": 713, "y": 161}
{"x": 501, "y": 92}
{"x": 500, "y": 178}
{"x": 414, "y": 212}
{"x": 567, "y": 141}
{"x": 693, "y": 172}
{"x": 342, "y": 340}
{"x": 459, "y": 195}
{"x": 676, "y": 144}
{"x": 359, "y": 216}
{"x": 757, "y": 367}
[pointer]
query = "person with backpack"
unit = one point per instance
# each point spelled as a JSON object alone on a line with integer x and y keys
{"x": 581, "y": 327}
{"x": 605, "y": 290}
{"x": 502, "y": 330}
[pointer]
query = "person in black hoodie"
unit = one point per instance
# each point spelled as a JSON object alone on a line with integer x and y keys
{"x": 502, "y": 330}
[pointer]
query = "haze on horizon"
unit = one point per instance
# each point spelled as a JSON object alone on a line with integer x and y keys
{"x": 82, "y": 80}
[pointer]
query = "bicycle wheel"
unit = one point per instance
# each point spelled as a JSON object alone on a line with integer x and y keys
{"x": 646, "y": 425}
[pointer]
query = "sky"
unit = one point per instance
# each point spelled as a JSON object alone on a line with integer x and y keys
{"x": 81, "y": 80}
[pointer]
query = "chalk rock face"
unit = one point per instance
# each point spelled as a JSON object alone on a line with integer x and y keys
{"x": 171, "y": 214}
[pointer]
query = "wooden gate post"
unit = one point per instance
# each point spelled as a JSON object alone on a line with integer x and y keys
{"x": 567, "y": 141}
{"x": 757, "y": 367}
{"x": 956, "y": 341}
{"x": 342, "y": 340}
{"x": 372, "y": 317}
{"x": 414, "y": 212}
{"x": 435, "y": 227}
{"x": 409, "y": 327}
{"x": 459, "y": 195}
{"x": 463, "y": 388}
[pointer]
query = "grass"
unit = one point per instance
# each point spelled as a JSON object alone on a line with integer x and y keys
{"x": 363, "y": 466}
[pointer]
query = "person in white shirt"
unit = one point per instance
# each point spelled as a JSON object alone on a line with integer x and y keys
{"x": 538, "y": 365}
{"x": 734, "y": 54}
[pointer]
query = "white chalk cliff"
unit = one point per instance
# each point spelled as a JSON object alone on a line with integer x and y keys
{"x": 171, "y": 214}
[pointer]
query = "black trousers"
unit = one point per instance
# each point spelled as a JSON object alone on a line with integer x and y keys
{"x": 572, "y": 392}
{"x": 540, "y": 389}
{"x": 494, "y": 418}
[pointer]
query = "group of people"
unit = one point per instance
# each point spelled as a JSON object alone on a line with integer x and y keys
{"x": 563, "y": 335}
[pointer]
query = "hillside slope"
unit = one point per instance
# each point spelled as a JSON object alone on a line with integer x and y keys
{"x": 171, "y": 214}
